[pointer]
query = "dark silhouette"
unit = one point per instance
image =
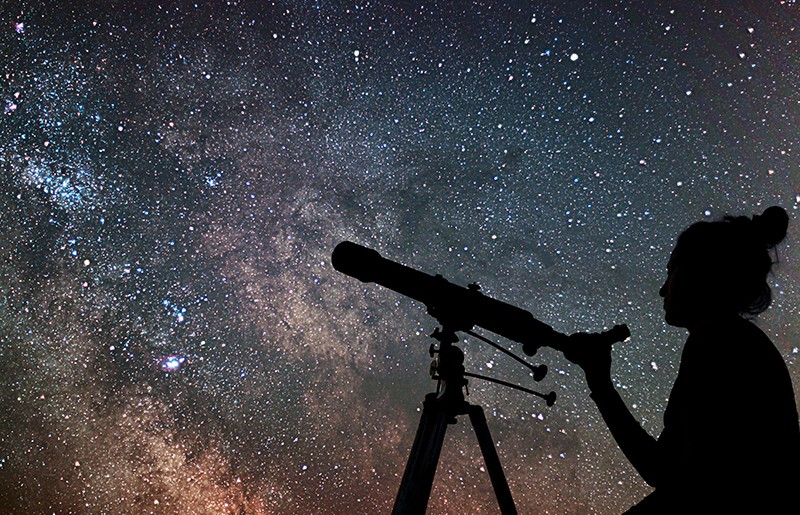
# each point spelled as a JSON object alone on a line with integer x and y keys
{"x": 731, "y": 441}
{"x": 457, "y": 309}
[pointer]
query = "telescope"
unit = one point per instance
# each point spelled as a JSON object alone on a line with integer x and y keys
{"x": 457, "y": 309}
{"x": 454, "y": 306}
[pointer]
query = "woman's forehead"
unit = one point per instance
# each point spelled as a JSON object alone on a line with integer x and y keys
{"x": 680, "y": 255}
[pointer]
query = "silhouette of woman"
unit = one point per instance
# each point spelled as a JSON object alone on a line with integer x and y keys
{"x": 731, "y": 441}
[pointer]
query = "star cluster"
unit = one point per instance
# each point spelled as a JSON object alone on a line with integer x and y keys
{"x": 173, "y": 338}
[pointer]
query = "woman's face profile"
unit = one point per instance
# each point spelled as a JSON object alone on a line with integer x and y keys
{"x": 673, "y": 293}
{"x": 682, "y": 292}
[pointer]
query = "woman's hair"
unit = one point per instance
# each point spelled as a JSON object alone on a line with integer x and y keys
{"x": 733, "y": 257}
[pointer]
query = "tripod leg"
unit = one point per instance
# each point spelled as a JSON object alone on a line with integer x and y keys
{"x": 499, "y": 483}
{"x": 412, "y": 498}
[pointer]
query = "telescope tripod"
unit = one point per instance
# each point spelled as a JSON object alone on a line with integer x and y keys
{"x": 439, "y": 410}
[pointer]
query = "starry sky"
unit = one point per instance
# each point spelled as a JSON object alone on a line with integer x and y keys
{"x": 175, "y": 175}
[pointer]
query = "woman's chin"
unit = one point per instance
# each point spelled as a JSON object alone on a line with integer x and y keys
{"x": 675, "y": 320}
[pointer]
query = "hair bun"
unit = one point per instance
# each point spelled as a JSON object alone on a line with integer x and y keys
{"x": 771, "y": 225}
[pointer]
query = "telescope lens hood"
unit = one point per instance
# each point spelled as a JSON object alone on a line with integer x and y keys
{"x": 356, "y": 261}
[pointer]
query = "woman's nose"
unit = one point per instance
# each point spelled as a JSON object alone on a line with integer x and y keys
{"x": 663, "y": 291}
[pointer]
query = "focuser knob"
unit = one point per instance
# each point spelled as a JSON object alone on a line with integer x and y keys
{"x": 539, "y": 372}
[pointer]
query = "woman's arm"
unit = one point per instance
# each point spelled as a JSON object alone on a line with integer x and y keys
{"x": 638, "y": 446}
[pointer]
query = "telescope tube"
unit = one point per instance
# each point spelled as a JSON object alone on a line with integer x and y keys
{"x": 453, "y": 306}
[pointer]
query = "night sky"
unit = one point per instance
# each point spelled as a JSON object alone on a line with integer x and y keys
{"x": 174, "y": 177}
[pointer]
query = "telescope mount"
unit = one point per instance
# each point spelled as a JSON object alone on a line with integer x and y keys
{"x": 440, "y": 409}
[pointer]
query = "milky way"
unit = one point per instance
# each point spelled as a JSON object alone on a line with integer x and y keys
{"x": 173, "y": 338}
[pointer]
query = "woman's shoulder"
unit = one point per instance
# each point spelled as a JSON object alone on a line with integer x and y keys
{"x": 731, "y": 340}
{"x": 721, "y": 357}
{"x": 730, "y": 330}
